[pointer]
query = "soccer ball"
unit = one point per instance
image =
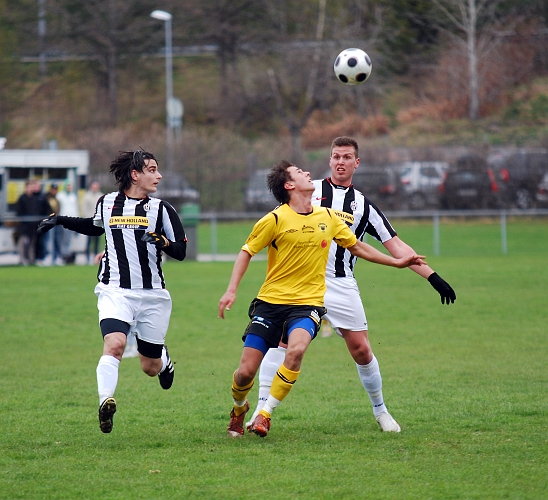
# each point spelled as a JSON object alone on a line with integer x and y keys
{"x": 352, "y": 66}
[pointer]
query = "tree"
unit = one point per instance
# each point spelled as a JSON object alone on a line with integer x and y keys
{"x": 474, "y": 21}
{"x": 108, "y": 30}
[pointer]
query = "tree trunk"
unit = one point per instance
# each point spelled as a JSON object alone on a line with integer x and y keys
{"x": 473, "y": 110}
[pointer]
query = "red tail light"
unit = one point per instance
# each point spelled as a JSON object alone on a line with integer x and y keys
{"x": 494, "y": 185}
{"x": 441, "y": 187}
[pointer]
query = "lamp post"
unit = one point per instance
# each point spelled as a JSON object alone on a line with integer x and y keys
{"x": 166, "y": 17}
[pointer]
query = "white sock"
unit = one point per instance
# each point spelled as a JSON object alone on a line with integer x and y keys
{"x": 271, "y": 404}
{"x": 107, "y": 377}
{"x": 269, "y": 366}
{"x": 164, "y": 359}
{"x": 370, "y": 376}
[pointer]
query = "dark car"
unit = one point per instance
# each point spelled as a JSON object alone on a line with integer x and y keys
{"x": 469, "y": 184}
{"x": 379, "y": 184}
{"x": 519, "y": 175}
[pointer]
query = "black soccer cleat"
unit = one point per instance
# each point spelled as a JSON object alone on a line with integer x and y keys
{"x": 166, "y": 377}
{"x": 106, "y": 413}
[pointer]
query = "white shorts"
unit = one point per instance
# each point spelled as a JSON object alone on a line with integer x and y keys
{"x": 146, "y": 311}
{"x": 344, "y": 305}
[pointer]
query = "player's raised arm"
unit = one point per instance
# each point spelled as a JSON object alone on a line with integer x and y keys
{"x": 398, "y": 248}
{"x": 238, "y": 271}
{"x": 367, "y": 252}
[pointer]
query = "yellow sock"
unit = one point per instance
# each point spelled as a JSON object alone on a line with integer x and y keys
{"x": 283, "y": 382}
{"x": 239, "y": 395}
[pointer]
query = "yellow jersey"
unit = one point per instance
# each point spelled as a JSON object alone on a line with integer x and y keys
{"x": 298, "y": 248}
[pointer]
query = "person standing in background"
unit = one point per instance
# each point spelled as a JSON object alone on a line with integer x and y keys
{"x": 68, "y": 207}
{"x": 51, "y": 242}
{"x": 89, "y": 201}
{"x": 30, "y": 203}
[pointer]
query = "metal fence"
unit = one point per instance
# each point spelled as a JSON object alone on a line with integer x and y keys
{"x": 435, "y": 215}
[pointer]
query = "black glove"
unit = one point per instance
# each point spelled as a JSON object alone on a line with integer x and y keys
{"x": 46, "y": 224}
{"x": 443, "y": 288}
{"x": 159, "y": 240}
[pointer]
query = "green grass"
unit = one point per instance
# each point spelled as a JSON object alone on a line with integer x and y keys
{"x": 467, "y": 383}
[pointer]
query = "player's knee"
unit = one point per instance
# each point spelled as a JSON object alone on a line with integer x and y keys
{"x": 151, "y": 366}
{"x": 245, "y": 375}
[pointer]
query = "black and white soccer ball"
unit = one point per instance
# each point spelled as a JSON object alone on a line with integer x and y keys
{"x": 352, "y": 66}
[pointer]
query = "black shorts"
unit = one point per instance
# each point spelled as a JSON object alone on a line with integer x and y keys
{"x": 269, "y": 321}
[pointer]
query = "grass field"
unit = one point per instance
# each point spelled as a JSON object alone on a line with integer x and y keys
{"x": 467, "y": 383}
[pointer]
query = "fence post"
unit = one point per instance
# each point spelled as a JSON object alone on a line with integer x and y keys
{"x": 436, "y": 224}
{"x": 213, "y": 234}
{"x": 503, "y": 239}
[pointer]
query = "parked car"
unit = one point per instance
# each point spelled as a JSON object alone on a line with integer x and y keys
{"x": 257, "y": 195}
{"x": 378, "y": 184}
{"x": 519, "y": 175}
{"x": 542, "y": 191}
{"x": 470, "y": 184}
{"x": 420, "y": 181}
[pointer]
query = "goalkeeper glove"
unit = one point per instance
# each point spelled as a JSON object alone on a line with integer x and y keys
{"x": 443, "y": 288}
{"x": 159, "y": 240}
{"x": 46, "y": 224}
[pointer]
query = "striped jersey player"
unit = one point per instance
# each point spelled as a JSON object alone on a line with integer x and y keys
{"x": 345, "y": 310}
{"x": 131, "y": 293}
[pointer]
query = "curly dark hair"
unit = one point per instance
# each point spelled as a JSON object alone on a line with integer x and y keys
{"x": 276, "y": 179}
{"x": 127, "y": 161}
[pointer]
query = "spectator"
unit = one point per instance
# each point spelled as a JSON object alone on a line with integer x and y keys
{"x": 68, "y": 206}
{"x": 89, "y": 201}
{"x": 31, "y": 207}
{"x": 51, "y": 242}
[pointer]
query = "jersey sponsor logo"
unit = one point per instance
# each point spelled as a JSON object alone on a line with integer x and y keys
{"x": 291, "y": 230}
{"x": 307, "y": 229}
{"x": 324, "y": 243}
{"x": 344, "y": 216}
{"x": 306, "y": 244}
{"x": 128, "y": 222}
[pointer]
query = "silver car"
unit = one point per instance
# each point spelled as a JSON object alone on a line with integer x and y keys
{"x": 420, "y": 181}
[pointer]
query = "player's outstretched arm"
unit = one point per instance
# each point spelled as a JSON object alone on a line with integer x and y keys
{"x": 238, "y": 271}
{"x": 367, "y": 252}
{"x": 46, "y": 224}
{"x": 82, "y": 225}
{"x": 399, "y": 248}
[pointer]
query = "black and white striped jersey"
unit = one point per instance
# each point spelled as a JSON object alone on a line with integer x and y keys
{"x": 361, "y": 215}
{"x": 128, "y": 261}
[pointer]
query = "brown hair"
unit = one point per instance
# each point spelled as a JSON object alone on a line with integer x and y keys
{"x": 276, "y": 179}
{"x": 344, "y": 141}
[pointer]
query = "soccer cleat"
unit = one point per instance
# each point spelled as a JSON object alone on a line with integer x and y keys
{"x": 106, "y": 413}
{"x": 387, "y": 423}
{"x": 260, "y": 426}
{"x": 236, "y": 425}
{"x": 166, "y": 377}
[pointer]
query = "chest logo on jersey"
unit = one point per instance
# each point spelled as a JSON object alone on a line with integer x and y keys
{"x": 322, "y": 227}
{"x": 344, "y": 216}
{"x": 353, "y": 206}
{"x": 291, "y": 230}
{"x": 146, "y": 207}
{"x": 307, "y": 229}
{"x": 128, "y": 222}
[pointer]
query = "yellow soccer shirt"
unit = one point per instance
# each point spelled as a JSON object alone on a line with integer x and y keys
{"x": 298, "y": 247}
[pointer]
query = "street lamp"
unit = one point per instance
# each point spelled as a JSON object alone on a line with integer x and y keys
{"x": 166, "y": 17}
